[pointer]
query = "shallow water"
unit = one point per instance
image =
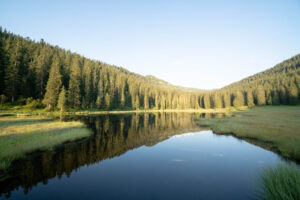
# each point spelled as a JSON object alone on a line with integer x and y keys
{"x": 142, "y": 156}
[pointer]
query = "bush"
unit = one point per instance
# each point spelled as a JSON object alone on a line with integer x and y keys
{"x": 21, "y": 101}
{"x": 29, "y": 100}
{"x": 3, "y": 99}
{"x": 34, "y": 103}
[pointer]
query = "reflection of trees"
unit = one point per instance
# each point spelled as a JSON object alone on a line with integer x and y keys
{"x": 114, "y": 135}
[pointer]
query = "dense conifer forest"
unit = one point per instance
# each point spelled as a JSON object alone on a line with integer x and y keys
{"x": 42, "y": 75}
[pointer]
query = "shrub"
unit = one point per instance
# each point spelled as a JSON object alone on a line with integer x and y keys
{"x": 3, "y": 99}
{"x": 34, "y": 103}
{"x": 21, "y": 101}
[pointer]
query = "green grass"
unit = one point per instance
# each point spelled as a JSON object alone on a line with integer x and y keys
{"x": 280, "y": 183}
{"x": 24, "y": 110}
{"x": 273, "y": 127}
{"x": 19, "y": 136}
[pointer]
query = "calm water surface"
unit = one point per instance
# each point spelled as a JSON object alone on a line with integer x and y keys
{"x": 142, "y": 156}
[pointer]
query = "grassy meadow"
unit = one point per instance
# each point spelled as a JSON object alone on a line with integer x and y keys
{"x": 273, "y": 127}
{"x": 21, "y": 135}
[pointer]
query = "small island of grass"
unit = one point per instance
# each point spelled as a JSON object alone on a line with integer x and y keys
{"x": 22, "y": 135}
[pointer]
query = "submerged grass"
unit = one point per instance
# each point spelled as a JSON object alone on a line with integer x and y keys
{"x": 277, "y": 126}
{"x": 280, "y": 183}
{"x": 19, "y": 136}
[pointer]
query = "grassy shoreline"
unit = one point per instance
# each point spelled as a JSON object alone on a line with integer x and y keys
{"x": 274, "y": 128}
{"x": 22, "y": 135}
{"x": 23, "y": 110}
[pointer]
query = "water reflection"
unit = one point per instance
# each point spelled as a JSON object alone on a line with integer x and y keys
{"x": 113, "y": 136}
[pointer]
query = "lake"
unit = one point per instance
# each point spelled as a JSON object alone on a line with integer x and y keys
{"x": 142, "y": 156}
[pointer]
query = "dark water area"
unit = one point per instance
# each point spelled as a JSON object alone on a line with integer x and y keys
{"x": 142, "y": 156}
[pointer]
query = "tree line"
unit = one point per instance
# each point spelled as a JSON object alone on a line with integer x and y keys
{"x": 40, "y": 74}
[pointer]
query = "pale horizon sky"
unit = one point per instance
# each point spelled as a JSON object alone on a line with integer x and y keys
{"x": 201, "y": 44}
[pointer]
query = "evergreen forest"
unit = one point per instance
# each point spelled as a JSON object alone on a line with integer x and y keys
{"x": 44, "y": 75}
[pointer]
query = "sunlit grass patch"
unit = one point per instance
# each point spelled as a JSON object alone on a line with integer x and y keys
{"x": 35, "y": 134}
{"x": 36, "y": 126}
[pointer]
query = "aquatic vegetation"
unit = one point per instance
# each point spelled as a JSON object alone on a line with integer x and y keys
{"x": 282, "y": 182}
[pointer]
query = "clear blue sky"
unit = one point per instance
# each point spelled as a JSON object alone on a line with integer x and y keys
{"x": 202, "y": 44}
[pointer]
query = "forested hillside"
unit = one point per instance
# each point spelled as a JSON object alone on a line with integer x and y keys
{"x": 278, "y": 85}
{"x": 38, "y": 70}
{"x": 39, "y": 73}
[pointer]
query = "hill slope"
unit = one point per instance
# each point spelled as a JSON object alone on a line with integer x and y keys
{"x": 38, "y": 70}
{"x": 280, "y": 84}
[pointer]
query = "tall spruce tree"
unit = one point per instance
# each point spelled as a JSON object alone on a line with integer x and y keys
{"x": 238, "y": 100}
{"x": 250, "y": 100}
{"x": 53, "y": 85}
{"x": 293, "y": 94}
{"x": 206, "y": 100}
{"x": 226, "y": 100}
{"x": 62, "y": 100}
{"x": 146, "y": 101}
{"x": 275, "y": 98}
{"x": 217, "y": 101}
{"x": 74, "y": 95}
{"x": 260, "y": 95}
{"x": 283, "y": 95}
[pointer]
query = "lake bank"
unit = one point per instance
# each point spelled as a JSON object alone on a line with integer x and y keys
{"x": 274, "y": 128}
{"x": 25, "y": 111}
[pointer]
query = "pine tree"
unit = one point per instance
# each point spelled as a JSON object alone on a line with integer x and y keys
{"x": 260, "y": 96}
{"x": 137, "y": 102}
{"x": 283, "y": 95}
{"x": 156, "y": 102}
{"x": 98, "y": 102}
{"x": 146, "y": 101}
{"x": 238, "y": 100}
{"x": 226, "y": 100}
{"x": 268, "y": 97}
{"x": 100, "y": 95}
{"x": 107, "y": 101}
{"x": 53, "y": 85}
{"x": 74, "y": 96}
{"x": 88, "y": 84}
{"x": 206, "y": 100}
{"x": 250, "y": 101}
{"x": 275, "y": 98}
{"x": 163, "y": 102}
{"x": 293, "y": 94}
{"x": 217, "y": 101}
{"x": 62, "y": 100}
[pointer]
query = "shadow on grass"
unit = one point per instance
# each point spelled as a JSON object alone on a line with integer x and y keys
{"x": 21, "y": 122}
